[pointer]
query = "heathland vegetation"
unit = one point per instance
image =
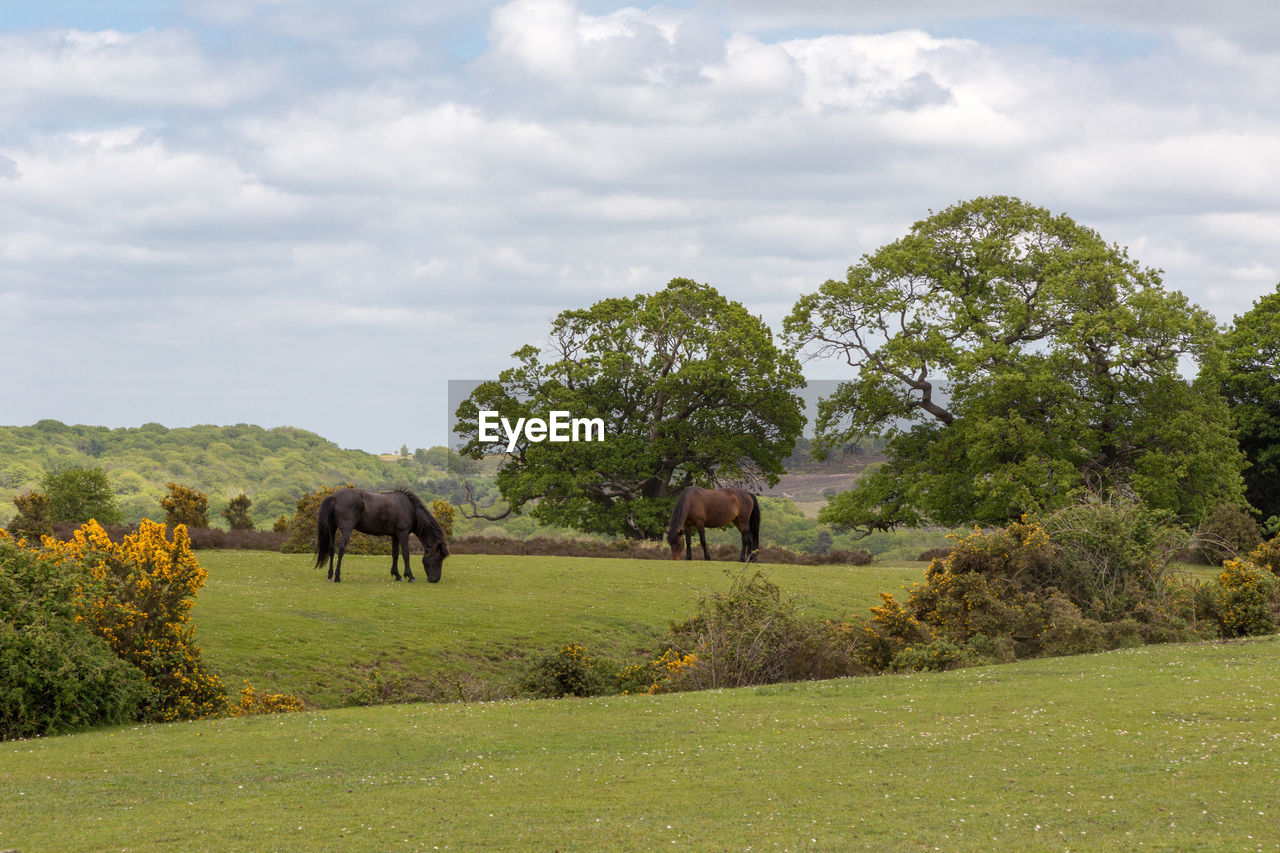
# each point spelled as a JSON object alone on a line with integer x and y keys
{"x": 1020, "y": 379}
{"x": 1170, "y": 745}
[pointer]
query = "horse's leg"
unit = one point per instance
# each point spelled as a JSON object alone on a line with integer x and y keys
{"x": 688, "y": 544}
{"x": 702, "y": 536}
{"x": 395, "y": 555}
{"x": 342, "y": 550}
{"x": 404, "y": 549}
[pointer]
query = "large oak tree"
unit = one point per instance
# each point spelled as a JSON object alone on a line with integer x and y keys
{"x": 1012, "y": 358}
{"x": 692, "y": 390}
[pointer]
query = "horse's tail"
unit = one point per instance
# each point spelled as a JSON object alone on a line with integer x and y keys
{"x": 676, "y": 528}
{"x": 324, "y": 531}
{"x": 755, "y": 523}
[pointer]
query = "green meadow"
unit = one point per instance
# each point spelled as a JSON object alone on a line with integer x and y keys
{"x": 1162, "y": 748}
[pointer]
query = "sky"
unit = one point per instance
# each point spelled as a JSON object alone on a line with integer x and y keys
{"x": 316, "y": 214}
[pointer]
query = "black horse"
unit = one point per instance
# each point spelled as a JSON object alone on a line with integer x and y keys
{"x": 703, "y": 508}
{"x": 396, "y": 514}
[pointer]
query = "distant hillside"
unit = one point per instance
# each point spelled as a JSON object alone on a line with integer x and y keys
{"x": 274, "y": 467}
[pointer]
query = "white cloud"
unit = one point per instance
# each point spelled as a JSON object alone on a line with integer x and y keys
{"x": 152, "y": 68}
{"x": 304, "y": 174}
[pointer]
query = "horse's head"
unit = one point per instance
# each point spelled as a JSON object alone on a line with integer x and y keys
{"x": 677, "y": 544}
{"x": 433, "y": 560}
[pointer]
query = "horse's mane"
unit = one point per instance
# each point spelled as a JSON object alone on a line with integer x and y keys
{"x": 677, "y": 517}
{"x": 426, "y": 521}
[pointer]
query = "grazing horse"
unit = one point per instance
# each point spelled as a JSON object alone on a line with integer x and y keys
{"x": 396, "y": 514}
{"x": 703, "y": 508}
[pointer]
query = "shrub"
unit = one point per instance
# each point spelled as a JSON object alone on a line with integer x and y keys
{"x": 55, "y": 676}
{"x": 751, "y": 635}
{"x": 445, "y": 513}
{"x": 1110, "y": 555}
{"x": 138, "y": 598}
{"x": 185, "y": 505}
{"x": 1226, "y": 532}
{"x": 1245, "y": 606}
{"x": 1267, "y": 556}
{"x": 252, "y": 703}
{"x": 237, "y": 513}
{"x": 32, "y": 521}
{"x": 568, "y": 671}
{"x": 890, "y": 631}
{"x": 1092, "y": 577}
{"x": 936, "y": 656}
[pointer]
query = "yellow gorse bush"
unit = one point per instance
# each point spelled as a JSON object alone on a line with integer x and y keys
{"x": 138, "y": 596}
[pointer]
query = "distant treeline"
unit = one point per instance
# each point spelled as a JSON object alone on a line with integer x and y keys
{"x": 274, "y": 467}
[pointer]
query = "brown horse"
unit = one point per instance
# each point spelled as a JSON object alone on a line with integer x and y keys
{"x": 703, "y": 508}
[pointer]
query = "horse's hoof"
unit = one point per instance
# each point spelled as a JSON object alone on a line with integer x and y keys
{"x": 411, "y": 579}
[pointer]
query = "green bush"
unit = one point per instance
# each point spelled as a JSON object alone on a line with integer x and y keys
{"x": 32, "y": 521}
{"x": 568, "y": 671}
{"x": 1246, "y": 601}
{"x": 751, "y": 635}
{"x": 1267, "y": 556}
{"x": 1094, "y": 576}
{"x": 55, "y": 675}
{"x": 1111, "y": 554}
{"x": 936, "y": 656}
{"x": 79, "y": 494}
{"x": 1225, "y": 533}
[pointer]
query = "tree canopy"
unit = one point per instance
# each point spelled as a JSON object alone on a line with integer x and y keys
{"x": 691, "y": 389}
{"x": 1012, "y": 357}
{"x": 80, "y": 494}
{"x": 1252, "y": 388}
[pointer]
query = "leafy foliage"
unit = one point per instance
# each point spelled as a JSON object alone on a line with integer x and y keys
{"x": 1246, "y": 601}
{"x": 1226, "y": 532}
{"x": 80, "y": 494}
{"x": 139, "y": 600}
{"x": 691, "y": 389}
{"x": 274, "y": 467}
{"x": 1091, "y": 577}
{"x": 1112, "y": 554}
{"x": 1011, "y": 357}
{"x": 32, "y": 521}
{"x": 568, "y": 671}
{"x": 237, "y": 513}
{"x": 185, "y": 505}
{"x": 752, "y": 635}
{"x": 1252, "y": 387}
{"x": 55, "y": 675}
{"x": 445, "y": 513}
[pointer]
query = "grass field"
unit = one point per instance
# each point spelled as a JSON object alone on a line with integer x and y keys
{"x": 272, "y": 619}
{"x": 1164, "y": 748}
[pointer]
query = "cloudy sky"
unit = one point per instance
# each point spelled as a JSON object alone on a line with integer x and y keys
{"x": 316, "y": 213}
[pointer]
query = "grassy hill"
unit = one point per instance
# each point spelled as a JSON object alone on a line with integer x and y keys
{"x": 274, "y": 467}
{"x": 1165, "y": 748}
